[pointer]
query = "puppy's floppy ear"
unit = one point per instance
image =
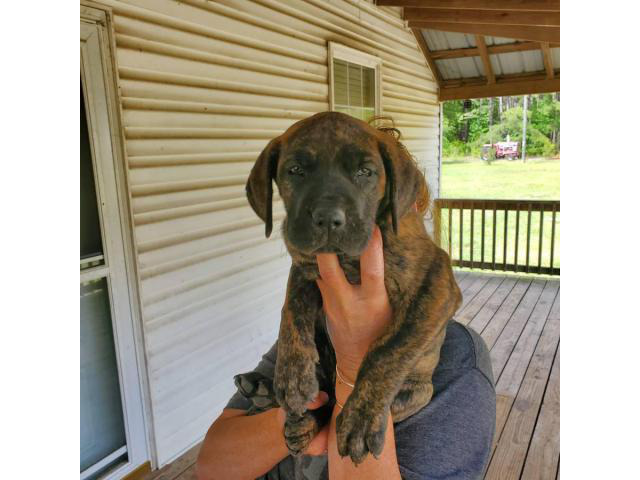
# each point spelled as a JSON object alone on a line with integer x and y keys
{"x": 405, "y": 184}
{"x": 259, "y": 185}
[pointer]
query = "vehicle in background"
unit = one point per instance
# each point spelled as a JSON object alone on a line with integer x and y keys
{"x": 508, "y": 150}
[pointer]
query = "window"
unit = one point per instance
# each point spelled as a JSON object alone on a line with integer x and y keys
{"x": 354, "y": 82}
{"x": 113, "y": 438}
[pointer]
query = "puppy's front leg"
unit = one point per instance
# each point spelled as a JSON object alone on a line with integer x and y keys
{"x": 295, "y": 381}
{"x": 361, "y": 426}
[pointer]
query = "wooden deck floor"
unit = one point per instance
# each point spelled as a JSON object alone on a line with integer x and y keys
{"x": 519, "y": 319}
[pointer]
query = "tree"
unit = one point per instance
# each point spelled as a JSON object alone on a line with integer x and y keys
{"x": 467, "y": 124}
{"x": 524, "y": 128}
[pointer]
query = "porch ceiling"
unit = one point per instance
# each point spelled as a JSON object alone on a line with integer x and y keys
{"x": 486, "y": 48}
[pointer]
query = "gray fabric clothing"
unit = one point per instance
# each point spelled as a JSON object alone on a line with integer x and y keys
{"x": 450, "y": 438}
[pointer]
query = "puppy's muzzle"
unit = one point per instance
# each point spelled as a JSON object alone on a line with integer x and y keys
{"x": 329, "y": 218}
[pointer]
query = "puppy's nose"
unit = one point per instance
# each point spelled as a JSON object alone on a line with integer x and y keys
{"x": 331, "y": 218}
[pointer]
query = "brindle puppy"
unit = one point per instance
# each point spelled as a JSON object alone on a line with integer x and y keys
{"x": 338, "y": 177}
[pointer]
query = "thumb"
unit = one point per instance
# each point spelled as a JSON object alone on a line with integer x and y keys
{"x": 372, "y": 265}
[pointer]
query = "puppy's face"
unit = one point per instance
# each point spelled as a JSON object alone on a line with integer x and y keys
{"x": 331, "y": 178}
{"x": 336, "y": 175}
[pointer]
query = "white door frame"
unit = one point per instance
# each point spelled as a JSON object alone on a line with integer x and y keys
{"x": 105, "y": 134}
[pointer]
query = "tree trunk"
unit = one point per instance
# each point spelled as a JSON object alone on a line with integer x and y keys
{"x": 500, "y": 108}
{"x": 464, "y": 132}
{"x": 490, "y": 118}
{"x": 524, "y": 127}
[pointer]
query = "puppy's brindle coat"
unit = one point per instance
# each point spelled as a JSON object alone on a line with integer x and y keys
{"x": 338, "y": 177}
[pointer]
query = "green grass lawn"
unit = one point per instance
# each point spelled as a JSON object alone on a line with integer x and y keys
{"x": 537, "y": 179}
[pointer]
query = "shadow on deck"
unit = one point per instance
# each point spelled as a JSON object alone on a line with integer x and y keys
{"x": 519, "y": 319}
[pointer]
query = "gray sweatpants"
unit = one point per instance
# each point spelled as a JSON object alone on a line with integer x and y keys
{"x": 450, "y": 438}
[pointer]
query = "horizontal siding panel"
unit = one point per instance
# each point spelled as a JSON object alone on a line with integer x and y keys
{"x": 166, "y": 58}
{"x": 230, "y": 19}
{"x": 222, "y": 221}
{"x": 170, "y": 50}
{"x": 149, "y": 83}
{"x": 192, "y": 35}
{"x": 207, "y": 347}
{"x": 174, "y": 257}
{"x": 180, "y": 146}
{"x": 190, "y": 197}
{"x": 190, "y": 172}
{"x": 165, "y": 289}
{"x": 201, "y": 332}
{"x": 191, "y": 133}
{"x": 204, "y": 86}
{"x": 197, "y": 115}
{"x": 207, "y": 402}
{"x": 170, "y": 387}
{"x": 173, "y": 317}
{"x": 351, "y": 32}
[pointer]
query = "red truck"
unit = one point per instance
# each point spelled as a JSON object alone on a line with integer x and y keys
{"x": 508, "y": 150}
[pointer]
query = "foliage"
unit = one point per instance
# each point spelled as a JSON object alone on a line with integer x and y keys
{"x": 468, "y": 124}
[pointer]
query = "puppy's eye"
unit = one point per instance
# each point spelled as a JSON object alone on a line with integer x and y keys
{"x": 296, "y": 170}
{"x": 364, "y": 172}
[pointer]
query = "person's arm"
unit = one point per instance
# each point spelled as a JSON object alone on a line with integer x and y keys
{"x": 357, "y": 315}
{"x": 240, "y": 446}
{"x": 385, "y": 467}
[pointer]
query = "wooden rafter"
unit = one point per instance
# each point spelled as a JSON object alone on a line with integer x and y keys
{"x": 538, "y": 34}
{"x": 486, "y": 61}
{"x": 494, "y": 17}
{"x": 427, "y": 55}
{"x": 498, "y": 89}
{"x": 546, "y": 56}
{"x": 506, "y": 78}
{"x": 513, "y": 5}
{"x": 492, "y": 49}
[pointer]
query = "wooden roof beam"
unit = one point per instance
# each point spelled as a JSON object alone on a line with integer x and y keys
{"x": 492, "y": 49}
{"x": 538, "y": 34}
{"x": 510, "y": 77}
{"x": 499, "y": 89}
{"x": 486, "y": 61}
{"x": 511, "y": 5}
{"x": 491, "y": 17}
{"x": 427, "y": 55}
{"x": 546, "y": 57}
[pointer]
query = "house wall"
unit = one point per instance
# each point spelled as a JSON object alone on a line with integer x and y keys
{"x": 204, "y": 86}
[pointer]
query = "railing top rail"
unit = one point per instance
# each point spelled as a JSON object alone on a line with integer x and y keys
{"x": 490, "y": 204}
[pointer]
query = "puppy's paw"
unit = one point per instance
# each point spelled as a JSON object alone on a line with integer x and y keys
{"x": 295, "y": 382}
{"x": 299, "y": 431}
{"x": 360, "y": 429}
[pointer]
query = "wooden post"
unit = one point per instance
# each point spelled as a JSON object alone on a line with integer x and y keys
{"x": 524, "y": 128}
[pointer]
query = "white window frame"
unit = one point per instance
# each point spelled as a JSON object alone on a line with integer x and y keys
{"x": 97, "y": 71}
{"x": 339, "y": 51}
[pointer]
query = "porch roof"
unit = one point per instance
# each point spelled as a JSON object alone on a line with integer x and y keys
{"x": 484, "y": 48}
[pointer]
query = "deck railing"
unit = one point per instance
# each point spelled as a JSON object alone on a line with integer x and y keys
{"x": 506, "y": 235}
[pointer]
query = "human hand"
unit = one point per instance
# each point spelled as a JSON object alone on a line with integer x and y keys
{"x": 318, "y": 445}
{"x": 357, "y": 314}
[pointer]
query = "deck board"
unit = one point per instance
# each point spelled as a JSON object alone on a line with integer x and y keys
{"x": 496, "y": 324}
{"x": 486, "y": 313}
{"x": 473, "y": 289}
{"x": 512, "y": 446}
{"x": 544, "y": 449}
{"x": 519, "y": 319}
{"x": 466, "y": 314}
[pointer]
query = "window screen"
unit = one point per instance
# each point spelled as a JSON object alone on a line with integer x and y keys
{"x": 354, "y": 89}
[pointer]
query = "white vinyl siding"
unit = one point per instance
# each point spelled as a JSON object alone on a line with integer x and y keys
{"x": 204, "y": 86}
